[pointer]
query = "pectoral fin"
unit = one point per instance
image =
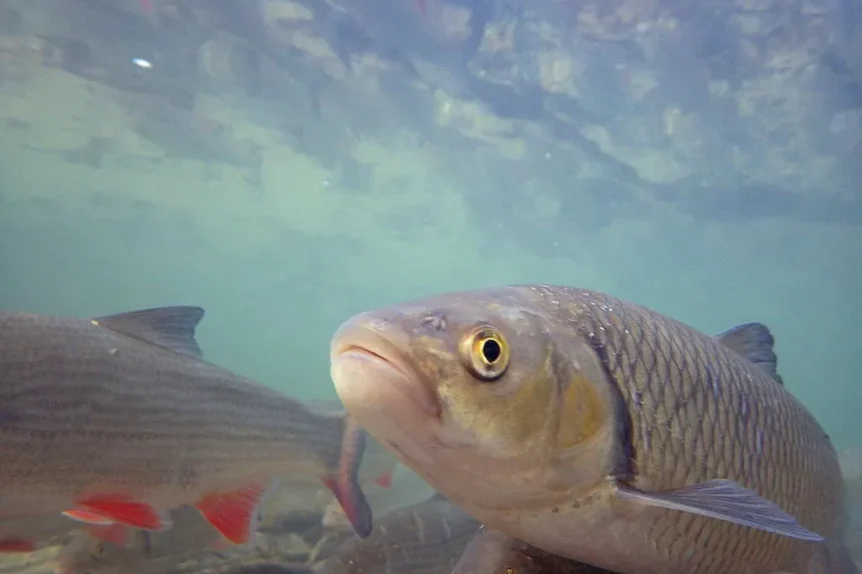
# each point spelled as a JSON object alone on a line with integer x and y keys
{"x": 724, "y": 500}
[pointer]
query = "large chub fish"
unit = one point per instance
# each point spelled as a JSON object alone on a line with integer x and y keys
{"x": 599, "y": 430}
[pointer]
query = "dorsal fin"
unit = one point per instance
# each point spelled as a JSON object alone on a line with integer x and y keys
{"x": 754, "y": 342}
{"x": 168, "y": 327}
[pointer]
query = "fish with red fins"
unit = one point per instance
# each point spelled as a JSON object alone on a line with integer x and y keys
{"x": 118, "y": 420}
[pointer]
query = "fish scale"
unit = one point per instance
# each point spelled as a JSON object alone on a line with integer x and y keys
{"x": 603, "y": 431}
{"x": 686, "y": 430}
{"x": 424, "y": 538}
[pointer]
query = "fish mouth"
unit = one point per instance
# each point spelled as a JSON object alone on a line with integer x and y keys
{"x": 366, "y": 366}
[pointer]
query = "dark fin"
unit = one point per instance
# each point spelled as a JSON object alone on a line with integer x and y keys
{"x": 345, "y": 483}
{"x": 235, "y": 514}
{"x": 754, "y": 342}
{"x": 489, "y": 552}
{"x": 103, "y": 509}
{"x": 168, "y": 327}
{"x": 17, "y": 545}
{"x": 725, "y": 500}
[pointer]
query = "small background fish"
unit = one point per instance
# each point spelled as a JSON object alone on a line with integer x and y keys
{"x": 424, "y": 538}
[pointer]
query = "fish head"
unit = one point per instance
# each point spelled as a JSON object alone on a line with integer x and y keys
{"x": 481, "y": 393}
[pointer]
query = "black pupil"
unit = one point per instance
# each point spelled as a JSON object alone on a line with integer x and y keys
{"x": 491, "y": 350}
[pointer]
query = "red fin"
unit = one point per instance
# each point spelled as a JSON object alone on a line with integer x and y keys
{"x": 234, "y": 514}
{"x": 385, "y": 479}
{"x": 88, "y": 517}
{"x": 117, "y": 534}
{"x": 122, "y": 510}
{"x": 17, "y": 545}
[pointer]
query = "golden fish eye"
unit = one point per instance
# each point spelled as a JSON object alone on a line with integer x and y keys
{"x": 485, "y": 353}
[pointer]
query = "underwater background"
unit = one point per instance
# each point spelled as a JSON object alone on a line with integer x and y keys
{"x": 285, "y": 164}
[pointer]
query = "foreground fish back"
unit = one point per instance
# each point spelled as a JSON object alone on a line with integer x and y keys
{"x": 695, "y": 410}
{"x": 60, "y": 378}
{"x": 424, "y": 538}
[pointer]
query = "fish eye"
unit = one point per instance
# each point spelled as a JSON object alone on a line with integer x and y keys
{"x": 486, "y": 353}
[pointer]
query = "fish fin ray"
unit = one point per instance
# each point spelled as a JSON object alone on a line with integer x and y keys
{"x": 725, "y": 500}
{"x": 235, "y": 514}
{"x": 101, "y": 510}
{"x": 171, "y": 328}
{"x": 88, "y": 517}
{"x": 755, "y": 342}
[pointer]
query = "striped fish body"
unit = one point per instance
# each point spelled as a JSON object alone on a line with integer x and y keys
{"x": 424, "y": 538}
{"x": 119, "y": 412}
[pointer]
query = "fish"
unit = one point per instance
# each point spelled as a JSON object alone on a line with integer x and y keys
{"x": 598, "y": 430}
{"x": 119, "y": 419}
{"x": 378, "y": 464}
{"x": 144, "y": 551}
{"x": 424, "y": 538}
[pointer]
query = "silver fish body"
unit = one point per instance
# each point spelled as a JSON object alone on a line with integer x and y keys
{"x": 119, "y": 414}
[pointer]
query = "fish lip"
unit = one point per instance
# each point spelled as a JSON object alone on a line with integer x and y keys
{"x": 363, "y": 342}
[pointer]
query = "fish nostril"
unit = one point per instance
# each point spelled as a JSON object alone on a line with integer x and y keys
{"x": 435, "y": 321}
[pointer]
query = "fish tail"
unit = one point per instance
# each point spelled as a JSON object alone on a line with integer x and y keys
{"x": 344, "y": 483}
